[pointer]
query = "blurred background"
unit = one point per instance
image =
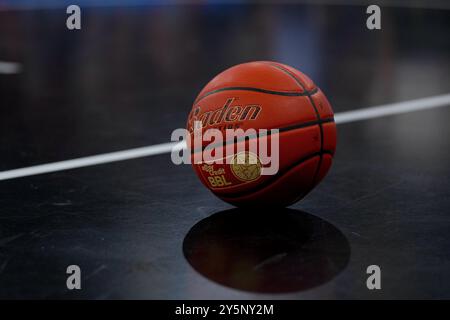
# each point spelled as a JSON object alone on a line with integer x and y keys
{"x": 138, "y": 65}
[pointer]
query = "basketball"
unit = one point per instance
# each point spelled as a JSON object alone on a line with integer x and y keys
{"x": 286, "y": 113}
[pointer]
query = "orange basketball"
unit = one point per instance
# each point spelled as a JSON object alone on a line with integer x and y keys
{"x": 264, "y": 95}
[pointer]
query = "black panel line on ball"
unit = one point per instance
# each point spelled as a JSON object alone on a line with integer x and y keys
{"x": 279, "y": 93}
{"x": 258, "y": 135}
{"x": 292, "y": 75}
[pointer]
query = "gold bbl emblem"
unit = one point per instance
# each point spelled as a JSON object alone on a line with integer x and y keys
{"x": 246, "y": 166}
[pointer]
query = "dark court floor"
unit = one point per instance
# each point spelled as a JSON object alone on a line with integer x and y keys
{"x": 147, "y": 229}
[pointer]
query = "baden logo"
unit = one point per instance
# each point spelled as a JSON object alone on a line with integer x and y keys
{"x": 225, "y": 117}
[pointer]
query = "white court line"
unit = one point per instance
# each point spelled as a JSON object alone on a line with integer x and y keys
{"x": 10, "y": 67}
{"x": 91, "y": 160}
{"x": 342, "y": 117}
{"x": 393, "y": 108}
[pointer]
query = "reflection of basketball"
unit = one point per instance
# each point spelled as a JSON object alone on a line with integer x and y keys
{"x": 266, "y": 95}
